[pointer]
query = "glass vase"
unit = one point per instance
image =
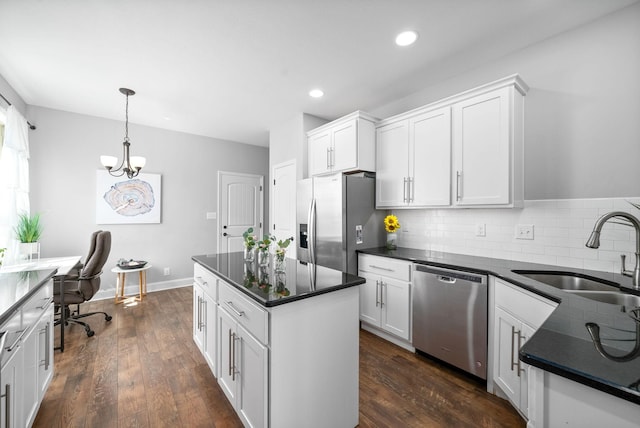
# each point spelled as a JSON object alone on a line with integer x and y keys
{"x": 263, "y": 258}
{"x": 392, "y": 241}
{"x": 280, "y": 265}
{"x": 249, "y": 255}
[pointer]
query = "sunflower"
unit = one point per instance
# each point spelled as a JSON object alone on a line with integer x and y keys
{"x": 391, "y": 223}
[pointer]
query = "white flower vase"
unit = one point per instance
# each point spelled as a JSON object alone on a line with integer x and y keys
{"x": 263, "y": 258}
{"x": 249, "y": 255}
{"x": 392, "y": 241}
{"x": 29, "y": 251}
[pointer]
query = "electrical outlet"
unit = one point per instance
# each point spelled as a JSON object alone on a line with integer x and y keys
{"x": 481, "y": 229}
{"x": 524, "y": 231}
{"x": 167, "y": 271}
{"x": 211, "y": 215}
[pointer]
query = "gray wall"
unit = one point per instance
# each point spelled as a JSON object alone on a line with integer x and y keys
{"x": 65, "y": 151}
{"x": 582, "y": 118}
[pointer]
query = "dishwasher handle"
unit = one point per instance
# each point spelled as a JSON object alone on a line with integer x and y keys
{"x": 450, "y": 275}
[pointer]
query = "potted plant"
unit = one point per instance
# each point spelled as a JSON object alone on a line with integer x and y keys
{"x": 28, "y": 231}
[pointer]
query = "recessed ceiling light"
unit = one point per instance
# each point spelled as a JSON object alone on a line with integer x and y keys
{"x": 316, "y": 93}
{"x": 406, "y": 38}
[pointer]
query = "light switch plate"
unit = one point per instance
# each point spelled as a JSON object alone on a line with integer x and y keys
{"x": 211, "y": 216}
{"x": 481, "y": 229}
{"x": 359, "y": 239}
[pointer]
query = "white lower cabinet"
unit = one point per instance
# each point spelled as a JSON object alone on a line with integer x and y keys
{"x": 243, "y": 370}
{"x": 385, "y": 297}
{"x": 205, "y": 315}
{"x": 26, "y": 367}
{"x": 517, "y": 315}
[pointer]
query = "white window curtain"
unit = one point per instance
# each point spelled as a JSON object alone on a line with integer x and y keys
{"x": 14, "y": 180}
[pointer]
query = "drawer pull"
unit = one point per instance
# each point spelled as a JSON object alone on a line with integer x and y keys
{"x": 382, "y": 268}
{"x": 233, "y": 308}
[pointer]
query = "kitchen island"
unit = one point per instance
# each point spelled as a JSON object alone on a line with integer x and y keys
{"x": 283, "y": 345}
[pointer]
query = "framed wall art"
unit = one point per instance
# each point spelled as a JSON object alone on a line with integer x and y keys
{"x": 120, "y": 200}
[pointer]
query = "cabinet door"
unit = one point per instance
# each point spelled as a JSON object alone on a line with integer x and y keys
{"x": 45, "y": 351}
{"x": 198, "y": 319}
{"x": 430, "y": 162}
{"x": 252, "y": 363}
{"x": 319, "y": 153}
{"x": 370, "y": 299}
{"x": 344, "y": 150}
{"x": 526, "y": 332}
{"x": 395, "y": 307}
{"x": 505, "y": 370}
{"x": 482, "y": 130}
{"x": 226, "y": 361}
{"x": 10, "y": 381}
{"x": 210, "y": 316}
{"x": 392, "y": 165}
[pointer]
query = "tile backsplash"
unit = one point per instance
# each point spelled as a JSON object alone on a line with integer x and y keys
{"x": 560, "y": 230}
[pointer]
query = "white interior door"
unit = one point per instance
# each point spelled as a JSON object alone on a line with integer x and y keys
{"x": 240, "y": 205}
{"x": 283, "y": 203}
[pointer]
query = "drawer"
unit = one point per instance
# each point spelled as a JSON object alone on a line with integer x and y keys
{"x": 251, "y": 316}
{"x": 33, "y": 309}
{"x": 12, "y": 330}
{"x": 206, "y": 280}
{"x": 394, "y": 268}
{"x": 523, "y": 304}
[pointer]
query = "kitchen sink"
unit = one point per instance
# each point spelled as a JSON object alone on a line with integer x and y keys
{"x": 569, "y": 281}
{"x": 612, "y": 297}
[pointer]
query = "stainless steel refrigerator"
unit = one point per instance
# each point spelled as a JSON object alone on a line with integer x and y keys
{"x": 336, "y": 215}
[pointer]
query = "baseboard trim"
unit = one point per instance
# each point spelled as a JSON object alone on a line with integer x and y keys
{"x": 386, "y": 336}
{"x": 133, "y": 288}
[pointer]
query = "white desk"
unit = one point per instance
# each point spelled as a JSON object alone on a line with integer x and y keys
{"x": 142, "y": 281}
{"x": 63, "y": 265}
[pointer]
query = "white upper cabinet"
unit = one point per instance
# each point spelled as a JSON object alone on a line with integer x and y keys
{"x": 346, "y": 144}
{"x": 463, "y": 151}
{"x": 414, "y": 158}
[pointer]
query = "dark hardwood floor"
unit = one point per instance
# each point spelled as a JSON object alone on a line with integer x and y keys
{"x": 143, "y": 370}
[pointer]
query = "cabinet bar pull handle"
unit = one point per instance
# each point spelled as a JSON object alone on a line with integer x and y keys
{"x": 234, "y": 371}
{"x": 204, "y": 313}
{"x": 199, "y": 313}
{"x": 404, "y": 190}
{"x": 233, "y": 308}
{"x": 47, "y": 345}
{"x": 328, "y": 158}
{"x": 458, "y": 175}
{"x": 230, "y": 344}
{"x": 45, "y": 304}
{"x": 333, "y": 157}
{"x": 412, "y": 188}
{"x": 377, "y": 299}
{"x": 17, "y": 341}
{"x": 7, "y": 405}
{"x": 381, "y": 268}
{"x": 519, "y": 367}
{"x": 513, "y": 333}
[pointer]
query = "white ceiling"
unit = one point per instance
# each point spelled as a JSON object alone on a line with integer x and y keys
{"x": 232, "y": 69}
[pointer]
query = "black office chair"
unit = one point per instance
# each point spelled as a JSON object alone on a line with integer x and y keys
{"x": 83, "y": 283}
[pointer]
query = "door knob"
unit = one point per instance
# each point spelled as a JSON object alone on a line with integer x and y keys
{"x": 224, "y": 234}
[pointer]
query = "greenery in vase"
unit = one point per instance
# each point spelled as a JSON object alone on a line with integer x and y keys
{"x": 29, "y": 228}
{"x": 282, "y": 248}
{"x": 249, "y": 238}
{"x": 266, "y": 242}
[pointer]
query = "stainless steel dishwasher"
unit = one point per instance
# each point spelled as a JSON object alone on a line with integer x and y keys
{"x": 450, "y": 317}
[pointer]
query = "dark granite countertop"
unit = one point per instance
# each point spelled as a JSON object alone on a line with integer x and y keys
{"x": 17, "y": 287}
{"x": 300, "y": 280}
{"x": 562, "y": 345}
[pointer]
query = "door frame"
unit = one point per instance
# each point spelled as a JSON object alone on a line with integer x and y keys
{"x": 219, "y": 203}
{"x": 289, "y": 163}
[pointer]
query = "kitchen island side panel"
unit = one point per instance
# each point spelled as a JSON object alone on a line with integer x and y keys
{"x": 314, "y": 361}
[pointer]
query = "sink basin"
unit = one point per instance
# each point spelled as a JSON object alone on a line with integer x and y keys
{"x": 613, "y": 297}
{"x": 569, "y": 281}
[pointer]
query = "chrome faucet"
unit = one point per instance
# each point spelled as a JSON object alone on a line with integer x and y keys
{"x": 594, "y": 242}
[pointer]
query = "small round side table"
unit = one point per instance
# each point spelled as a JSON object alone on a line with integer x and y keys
{"x": 121, "y": 273}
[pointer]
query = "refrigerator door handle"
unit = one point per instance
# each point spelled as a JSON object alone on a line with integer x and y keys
{"x": 311, "y": 228}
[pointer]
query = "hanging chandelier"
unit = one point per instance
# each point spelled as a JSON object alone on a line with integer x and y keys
{"x": 130, "y": 166}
